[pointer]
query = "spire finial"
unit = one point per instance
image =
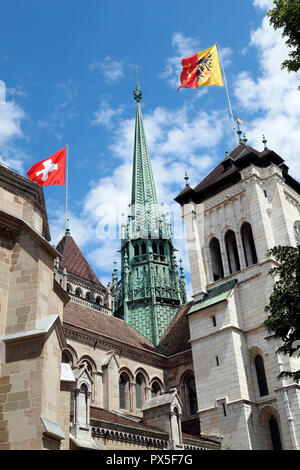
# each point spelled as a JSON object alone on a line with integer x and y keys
{"x": 245, "y": 140}
{"x": 264, "y": 141}
{"x": 137, "y": 94}
{"x": 67, "y": 228}
{"x": 186, "y": 179}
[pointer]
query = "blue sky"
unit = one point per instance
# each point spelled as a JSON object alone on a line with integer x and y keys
{"x": 69, "y": 71}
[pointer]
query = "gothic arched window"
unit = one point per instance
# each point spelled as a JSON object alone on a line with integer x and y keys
{"x": 232, "y": 252}
{"x": 275, "y": 434}
{"x": 88, "y": 296}
{"x": 78, "y": 292}
{"x": 261, "y": 376}
{"x": 98, "y": 300}
{"x": 155, "y": 390}
{"x": 248, "y": 244}
{"x": 190, "y": 395}
{"x": 216, "y": 259}
{"x": 140, "y": 390}
{"x": 124, "y": 391}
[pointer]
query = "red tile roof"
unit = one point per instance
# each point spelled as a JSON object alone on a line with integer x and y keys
{"x": 74, "y": 261}
{"x": 105, "y": 325}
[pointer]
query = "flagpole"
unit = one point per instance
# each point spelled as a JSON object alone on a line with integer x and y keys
{"x": 67, "y": 177}
{"x": 227, "y": 94}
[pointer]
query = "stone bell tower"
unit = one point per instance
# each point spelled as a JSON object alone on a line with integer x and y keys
{"x": 150, "y": 290}
{"x": 248, "y": 204}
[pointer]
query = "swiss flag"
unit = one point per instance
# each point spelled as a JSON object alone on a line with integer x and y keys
{"x": 49, "y": 171}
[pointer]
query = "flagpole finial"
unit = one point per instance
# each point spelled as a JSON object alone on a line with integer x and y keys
{"x": 186, "y": 179}
{"x": 245, "y": 140}
{"x": 137, "y": 94}
{"x": 264, "y": 141}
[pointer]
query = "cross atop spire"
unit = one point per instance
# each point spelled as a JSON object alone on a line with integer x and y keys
{"x": 137, "y": 94}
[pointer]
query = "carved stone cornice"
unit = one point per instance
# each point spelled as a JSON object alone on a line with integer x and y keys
{"x": 82, "y": 335}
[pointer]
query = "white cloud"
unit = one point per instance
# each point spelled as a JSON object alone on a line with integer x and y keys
{"x": 11, "y": 118}
{"x": 105, "y": 114}
{"x": 263, "y": 4}
{"x": 112, "y": 70}
{"x": 271, "y": 96}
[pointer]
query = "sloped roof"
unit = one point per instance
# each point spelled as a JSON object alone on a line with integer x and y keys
{"x": 74, "y": 261}
{"x": 214, "y": 296}
{"x": 177, "y": 335}
{"x": 227, "y": 173}
{"x": 108, "y": 416}
{"x": 105, "y": 325}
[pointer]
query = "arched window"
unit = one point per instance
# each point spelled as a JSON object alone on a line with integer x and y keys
{"x": 140, "y": 390}
{"x": 216, "y": 259}
{"x": 248, "y": 244}
{"x": 66, "y": 357}
{"x": 98, "y": 300}
{"x": 232, "y": 252}
{"x": 261, "y": 376}
{"x": 82, "y": 405}
{"x": 124, "y": 391}
{"x": 88, "y": 296}
{"x": 78, "y": 292}
{"x": 275, "y": 434}
{"x": 69, "y": 288}
{"x": 155, "y": 390}
{"x": 190, "y": 395}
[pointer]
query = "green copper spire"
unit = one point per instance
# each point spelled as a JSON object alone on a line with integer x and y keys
{"x": 149, "y": 292}
{"x": 144, "y": 206}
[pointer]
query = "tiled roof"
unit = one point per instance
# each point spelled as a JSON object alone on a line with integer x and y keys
{"x": 176, "y": 337}
{"x": 105, "y": 325}
{"x": 74, "y": 261}
{"x": 214, "y": 296}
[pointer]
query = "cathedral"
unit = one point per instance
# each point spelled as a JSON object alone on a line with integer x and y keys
{"x": 133, "y": 365}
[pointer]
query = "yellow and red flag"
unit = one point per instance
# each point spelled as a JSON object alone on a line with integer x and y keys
{"x": 200, "y": 69}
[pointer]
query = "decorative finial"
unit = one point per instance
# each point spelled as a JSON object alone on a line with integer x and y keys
{"x": 227, "y": 154}
{"x": 245, "y": 140}
{"x": 137, "y": 94}
{"x": 67, "y": 228}
{"x": 186, "y": 178}
{"x": 264, "y": 141}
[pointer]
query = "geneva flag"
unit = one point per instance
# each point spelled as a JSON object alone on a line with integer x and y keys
{"x": 49, "y": 171}
{"x": 202, "y": 68}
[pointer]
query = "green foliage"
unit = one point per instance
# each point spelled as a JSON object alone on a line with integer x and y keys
{"x": 284, "y": 303}
{"x": 286, "y": 15}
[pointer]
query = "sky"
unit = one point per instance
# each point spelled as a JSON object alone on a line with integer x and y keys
{"x": 69, "y": 69}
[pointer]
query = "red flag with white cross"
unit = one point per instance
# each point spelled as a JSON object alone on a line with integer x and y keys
{"x": 52, "y": 170}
